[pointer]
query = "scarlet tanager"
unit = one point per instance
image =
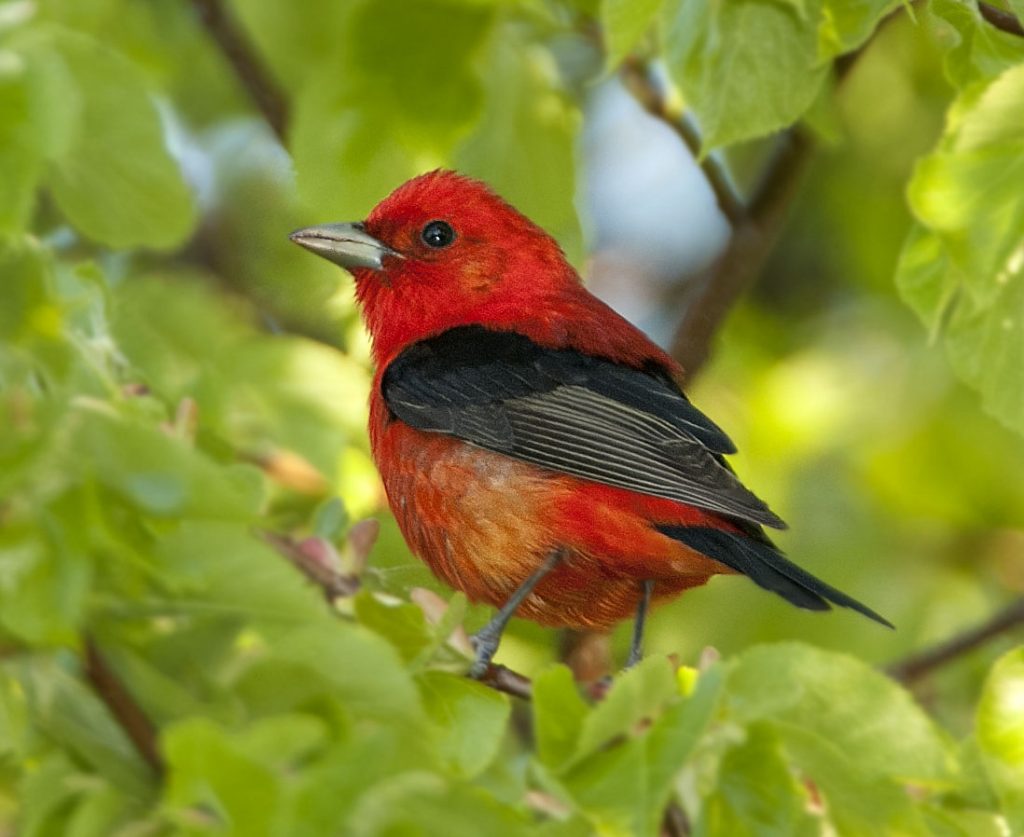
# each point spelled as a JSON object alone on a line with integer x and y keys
{"x": 535, "y": 447}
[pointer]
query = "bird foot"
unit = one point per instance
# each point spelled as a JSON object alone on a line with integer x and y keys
{"x": 485, "y": 644}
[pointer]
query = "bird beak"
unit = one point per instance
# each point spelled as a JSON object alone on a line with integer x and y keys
{"x": 347, "y": 245}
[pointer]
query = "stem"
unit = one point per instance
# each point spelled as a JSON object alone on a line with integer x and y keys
{"x": 925, "y": 662}
{"x": 1001, "y": 19}
{"x": 639, "y": 80}
{"x": 246, "y": 63}
{"x": 122, "y": 706}
{"x": 315, "y": 567}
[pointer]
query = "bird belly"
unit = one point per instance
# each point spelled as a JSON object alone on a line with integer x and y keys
{"x": 483, "y": 522}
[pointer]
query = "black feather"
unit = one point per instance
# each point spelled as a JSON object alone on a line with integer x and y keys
{"x": 759, "y": 559}
{"x": 571, "y": 413}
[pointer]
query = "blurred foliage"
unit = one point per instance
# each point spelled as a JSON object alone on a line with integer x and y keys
{"x": 175, "y": 380}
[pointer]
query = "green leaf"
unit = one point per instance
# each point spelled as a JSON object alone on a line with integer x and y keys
{"x": 28, "y": 310}
{"x": 404, "y": 804}
{"x": 47, "y": 575}
{"x": 208, "y": 767}
{"x": 624, "y": 23}
{"x": 355, "y": 666}
{"x": 985, "y": 344}
{"x": 524, "y": 146}
{"x": 858, "y": 800}
{"x": 20, "y": 161}
{"x": 623, "y": 788}
{"x": 469, "y": 718}
{"x": 162, "y": 475}
{"x": 220, "y": 566}
{"x": 1000, "y": 734}
{"x": 926, "y": 280}
{"x": 558, "y": 715}
{"x": 847, "y": 24}
{"x": 100, "y": 813}
{"x": 366, "y": 124}
{"x": 756, "y": 793}
{"x": 637, "y": 695}
{"x": 965, "y": 266}
{"x": 71, "y": 715}
{"x": 982, "y": 51}
{"x": 400, "y": 623}
{"x": 113, "y": 176}
{"x": 747, "y": 68}
{"x": 47, "y": 796}
{"x": 839, "y": 699}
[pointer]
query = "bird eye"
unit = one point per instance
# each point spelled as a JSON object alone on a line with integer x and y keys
{"x": 437, "y": 234}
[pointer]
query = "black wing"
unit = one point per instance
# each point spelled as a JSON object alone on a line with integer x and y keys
{"x": 570, "y": 413}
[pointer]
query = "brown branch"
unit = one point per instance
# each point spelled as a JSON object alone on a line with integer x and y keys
{"x": 310, "y": 558}
{"x": 246, "y": 63}
{"x": 708, "y": 298}
{"x": 674, "y": 822}
{"x": 122, "y": 706}
{"x": 925, "y": 662}
{"x": 506, "y": 680}
{"x": 1001, "y": 19}
{"x": 638, "y": 79}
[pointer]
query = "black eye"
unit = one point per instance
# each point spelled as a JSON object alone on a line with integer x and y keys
{"x": 437, "y": 234}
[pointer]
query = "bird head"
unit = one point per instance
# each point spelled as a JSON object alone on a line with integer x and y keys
{"x": 441, "y": 250}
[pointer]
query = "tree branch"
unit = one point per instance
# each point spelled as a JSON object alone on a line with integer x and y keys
{"x": 122, "y": 706}
{"x": 311, "y": 558}
{"x": 503, "y": 679}
{"x": 709, "y": 297}
{"x": 1001, "y": 19}
{"x": 641, "y": 82}
{"x": 246, "y": 63}
{"x": 925, "y": 662}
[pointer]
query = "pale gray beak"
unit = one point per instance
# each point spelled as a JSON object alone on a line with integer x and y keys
{"x": 347, "y": 245}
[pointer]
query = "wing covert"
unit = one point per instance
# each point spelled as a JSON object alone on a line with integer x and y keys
{"x": 569, "y": 412}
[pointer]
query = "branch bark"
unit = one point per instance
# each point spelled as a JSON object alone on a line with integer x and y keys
{"x": 122, "y": 706}
{"x": 923, "y": 663}
{"x": 709, "y": 297}
{"x": 1001, "y": 19}
{"x": 503, "y": 679}
{"x": 309, "y": 558}
{"x": 248, "y": 67}
{"x": 638, "y": 79}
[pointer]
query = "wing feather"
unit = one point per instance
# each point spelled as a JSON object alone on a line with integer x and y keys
{"x": 571, "y": 413}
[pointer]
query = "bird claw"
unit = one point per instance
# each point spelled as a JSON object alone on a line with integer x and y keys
{"x": 485, "y": 645}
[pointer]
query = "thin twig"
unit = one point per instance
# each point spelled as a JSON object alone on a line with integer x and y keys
{"x": 707, "y": 299}
{"x": 122, "y": 706}
{"x": 1001, "y": 19}
{"x": 641, "y": 82}
{"x": 315, "y": 566}
{"x": 925, "y": 662}
{"x": 246, "y": 63}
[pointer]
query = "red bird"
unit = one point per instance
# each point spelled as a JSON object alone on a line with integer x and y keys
{"x": 536, "y": 449}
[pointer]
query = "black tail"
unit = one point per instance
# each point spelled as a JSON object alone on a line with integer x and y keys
{"x": 756, "y": 556}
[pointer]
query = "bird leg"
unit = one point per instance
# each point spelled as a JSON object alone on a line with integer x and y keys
{"x": 636, "y": 652}
{"x": 485, "y": 641}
